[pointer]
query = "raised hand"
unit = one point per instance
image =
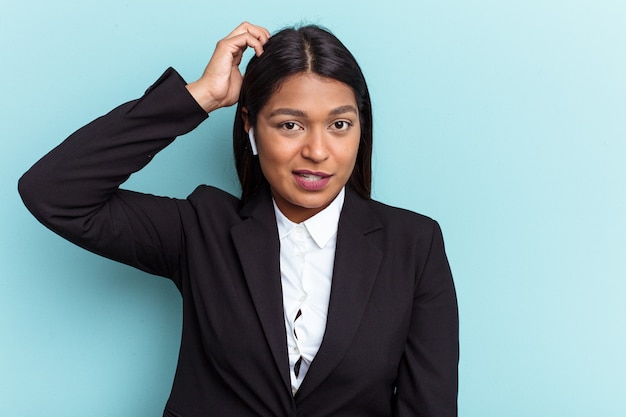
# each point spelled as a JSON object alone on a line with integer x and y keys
{"x": 221, "y": 81}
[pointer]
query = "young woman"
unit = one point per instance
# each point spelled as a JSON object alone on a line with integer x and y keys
{"x": 304, "y": 297}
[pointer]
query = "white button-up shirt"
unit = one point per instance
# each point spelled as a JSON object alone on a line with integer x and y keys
{"x": 307, "y": 254}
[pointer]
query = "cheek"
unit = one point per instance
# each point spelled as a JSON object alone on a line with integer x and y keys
{"x": 274, "y": 161}
{"x": 350, "y": 153}
{"x": 268, "y": 165}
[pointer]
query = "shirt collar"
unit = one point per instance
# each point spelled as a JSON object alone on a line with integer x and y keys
{"x": 322, "y": 227}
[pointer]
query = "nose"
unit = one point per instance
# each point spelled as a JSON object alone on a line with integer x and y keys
{"x": 315, "y": 147}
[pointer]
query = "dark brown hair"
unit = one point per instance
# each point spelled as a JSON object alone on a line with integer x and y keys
{"x": 289, "y": 52}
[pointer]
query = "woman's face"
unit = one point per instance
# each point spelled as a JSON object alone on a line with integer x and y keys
{"x": 307, "y": 137}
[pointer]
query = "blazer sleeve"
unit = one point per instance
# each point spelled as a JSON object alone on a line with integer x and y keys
{"x": 427, "y": 383}
{"x": 74, "y": 189}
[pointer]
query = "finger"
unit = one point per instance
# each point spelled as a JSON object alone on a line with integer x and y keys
{"x": 258, "y": 32}
{"x": 239, "y": 43}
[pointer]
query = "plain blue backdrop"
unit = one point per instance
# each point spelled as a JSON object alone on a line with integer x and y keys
{"x": 504, "y": 120}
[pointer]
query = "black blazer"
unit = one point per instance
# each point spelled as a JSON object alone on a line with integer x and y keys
{"x": 391, "y": 342}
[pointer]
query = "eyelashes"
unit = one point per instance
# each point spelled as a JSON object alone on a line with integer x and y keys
{"x": 339, "y": 125}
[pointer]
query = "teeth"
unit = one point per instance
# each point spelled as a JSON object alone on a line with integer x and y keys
{"x": 311, "y": 177}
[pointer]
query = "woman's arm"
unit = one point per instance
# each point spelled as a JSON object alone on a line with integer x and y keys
{"x": 74, "y": 190}
{"x": 427, "y": 382}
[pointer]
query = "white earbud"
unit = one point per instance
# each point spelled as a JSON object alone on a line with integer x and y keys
{"x": 252, "y": 141}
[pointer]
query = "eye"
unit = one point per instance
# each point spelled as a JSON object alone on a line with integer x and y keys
{"x": 341, "y": 125}
{"x": 289, "y": 126}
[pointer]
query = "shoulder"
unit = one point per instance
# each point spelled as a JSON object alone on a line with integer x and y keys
{"x": 214, "y": 201}
{"x": 401, "y": 219}
{"x": 399, "y": 226}
{"x": 414, "y": 236}
{"x": 203, "y": 192}
{"x": 397, "y": 213}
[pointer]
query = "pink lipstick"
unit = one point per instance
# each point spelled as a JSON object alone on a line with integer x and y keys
{"x": 311, "y": 180}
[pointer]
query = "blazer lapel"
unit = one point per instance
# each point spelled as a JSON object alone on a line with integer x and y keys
{"x": 257, "y": 243}
{"x": 357, "y": 260}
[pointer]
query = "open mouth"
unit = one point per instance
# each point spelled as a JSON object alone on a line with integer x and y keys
{"x": 311, "y": 177}
{"x": 312, "y": 181}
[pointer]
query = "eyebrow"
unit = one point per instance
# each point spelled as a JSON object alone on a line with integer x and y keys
{"x": 344, "y": 109}
{"x": 285, "y": 111}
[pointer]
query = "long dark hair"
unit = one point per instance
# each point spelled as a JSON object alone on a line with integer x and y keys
{"x": 289, "y": 52}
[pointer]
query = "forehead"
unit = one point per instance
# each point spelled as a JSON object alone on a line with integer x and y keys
{"x": 310, "y": 92}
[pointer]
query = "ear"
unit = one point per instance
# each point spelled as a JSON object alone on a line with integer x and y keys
{"x": 246, "y": 120}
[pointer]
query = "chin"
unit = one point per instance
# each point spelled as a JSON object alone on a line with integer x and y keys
{"x": 312, "y": 205}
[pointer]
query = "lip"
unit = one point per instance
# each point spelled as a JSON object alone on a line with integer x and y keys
{"x": 311, "y": 180}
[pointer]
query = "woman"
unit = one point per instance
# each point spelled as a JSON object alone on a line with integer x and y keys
{"x": 302, "y": 298}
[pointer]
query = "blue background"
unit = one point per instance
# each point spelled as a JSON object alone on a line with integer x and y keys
{"x": 504, "y": 120}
